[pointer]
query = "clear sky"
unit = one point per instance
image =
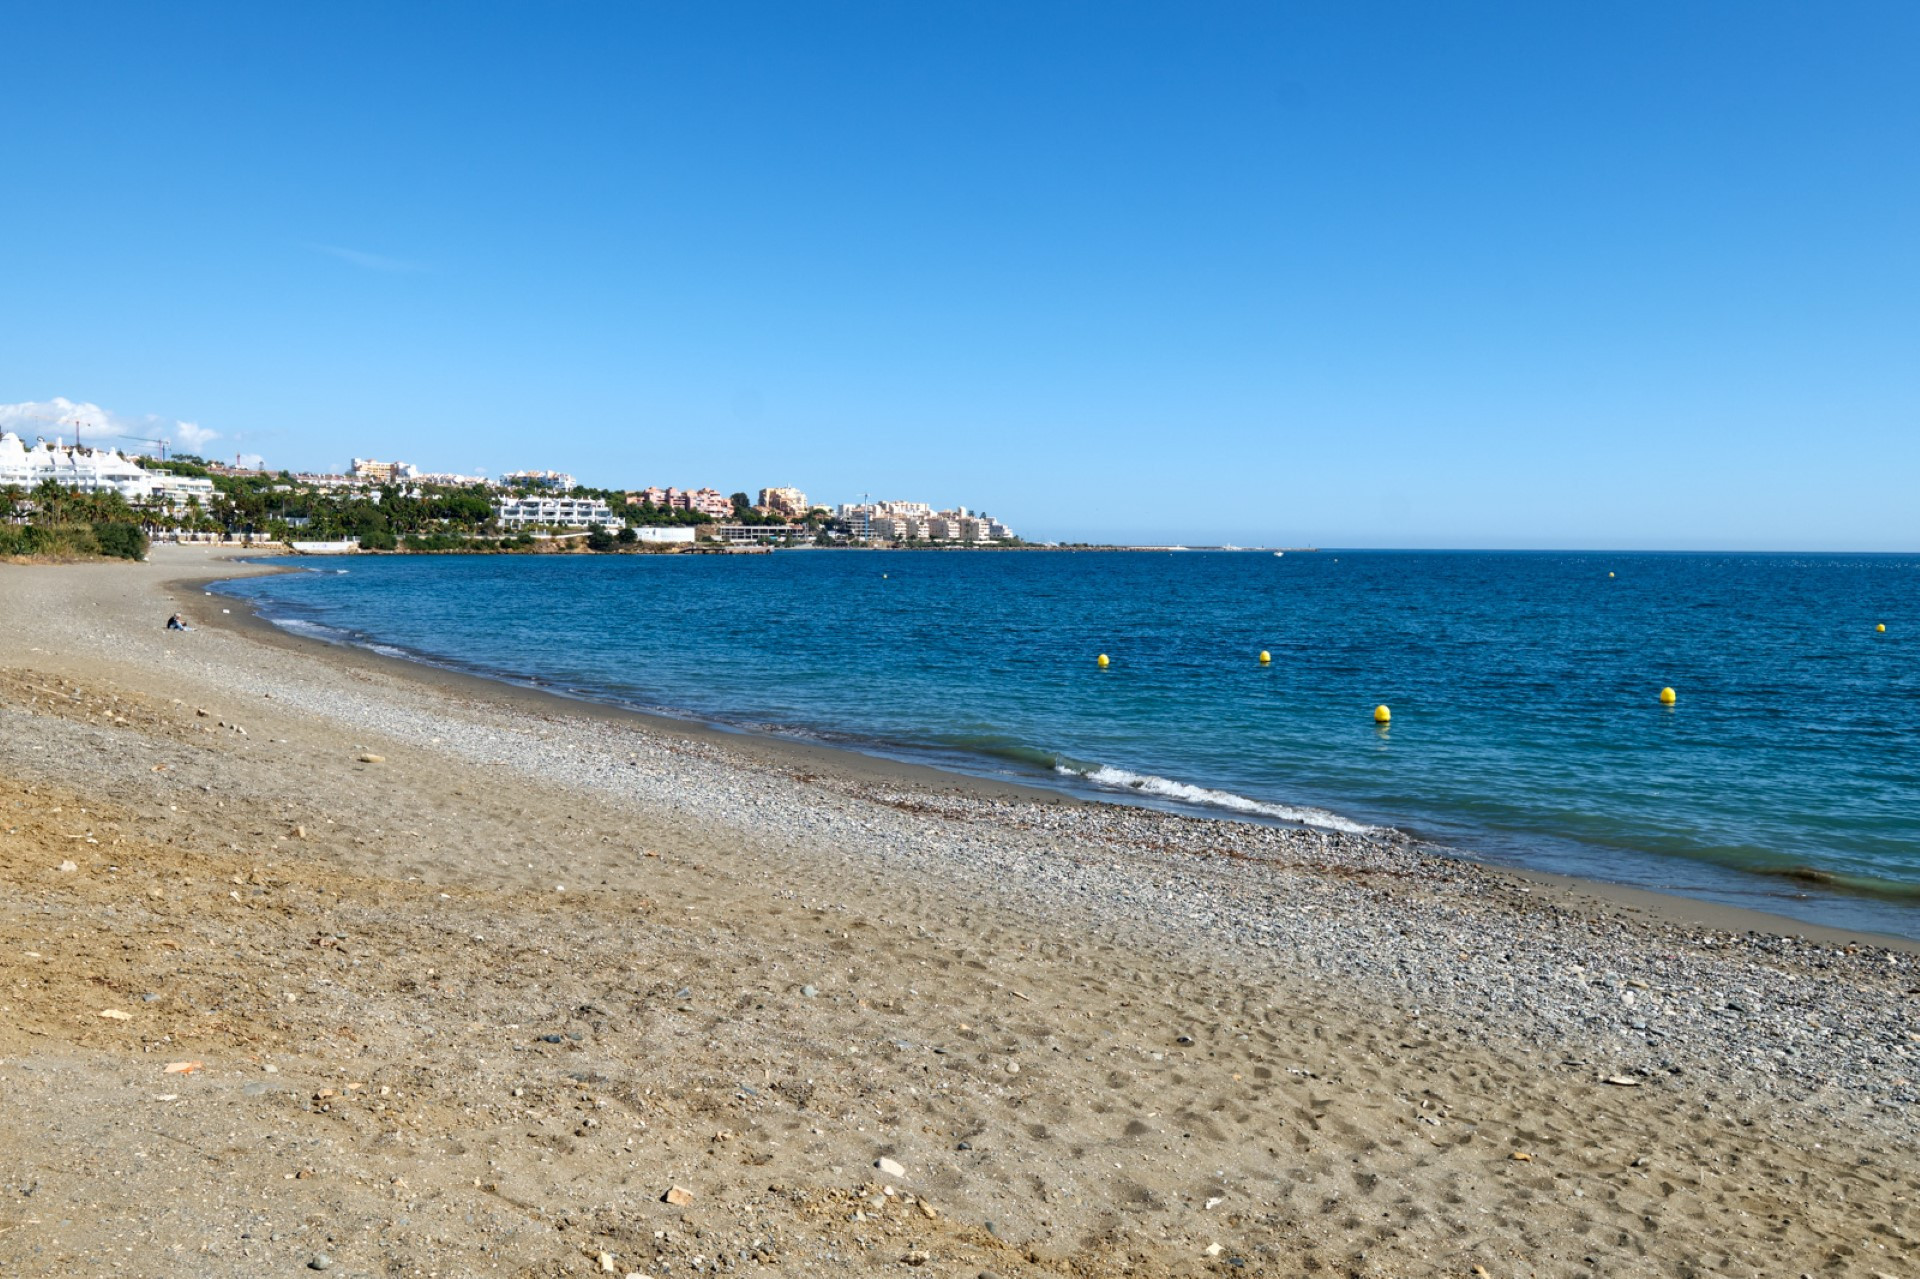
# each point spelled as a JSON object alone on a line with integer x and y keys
{"x": 1620, "y": 275}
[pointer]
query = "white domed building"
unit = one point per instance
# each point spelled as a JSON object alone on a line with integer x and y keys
{"x": 75, "y": 467}
{"x": 94, "y": 471}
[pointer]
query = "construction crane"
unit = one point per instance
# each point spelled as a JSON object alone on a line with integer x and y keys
{"x": 163, "y": 445}
{"x": 75, "y": 422}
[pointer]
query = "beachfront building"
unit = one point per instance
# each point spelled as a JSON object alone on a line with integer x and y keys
{"x": 75, "y": 467}
{"x": 95, "y": 471}
{"x": 858, "y": 518}
{"x": 784, "y": 501}
{"x": 179, "y": 491}
{"x": 745, "y": 534}
{"x": 554, "y": 512}
{"x": 918, "y": 522}
{"x": 900, "y": 528}
{"x": 682, "y": 533}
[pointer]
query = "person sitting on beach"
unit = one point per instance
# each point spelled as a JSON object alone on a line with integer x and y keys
{"x": 175, "y": 624}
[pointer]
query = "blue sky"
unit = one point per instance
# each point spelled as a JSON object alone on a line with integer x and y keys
{"x": 1633, "y": 275}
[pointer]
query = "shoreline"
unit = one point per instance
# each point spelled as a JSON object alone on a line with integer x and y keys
{"x": 769, "y": 748}
{"x": 457, "y": 978}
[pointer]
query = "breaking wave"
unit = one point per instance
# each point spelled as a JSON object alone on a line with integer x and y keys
{"x": 1120, "y": 781}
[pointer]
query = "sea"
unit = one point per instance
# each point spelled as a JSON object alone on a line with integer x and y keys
{"x": 1524, "y": 687}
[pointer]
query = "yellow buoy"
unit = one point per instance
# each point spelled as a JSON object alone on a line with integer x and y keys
{"x": 1102, "y": 659}
{"x": 1266, "y": 657}
{"x": 1882, "y": 628}
{"x": 1668, "y": 697}
{"x": 1381, "y": 714}
{"x": 1609, "y": 575}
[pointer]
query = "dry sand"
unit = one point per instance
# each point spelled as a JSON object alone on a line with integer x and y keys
{"x": 473, "y": 979}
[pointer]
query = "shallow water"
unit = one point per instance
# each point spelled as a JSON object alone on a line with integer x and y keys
{"x": 1526, "y": 724}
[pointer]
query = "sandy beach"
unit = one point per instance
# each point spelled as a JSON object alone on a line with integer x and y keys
{"x": 317, "y": 960}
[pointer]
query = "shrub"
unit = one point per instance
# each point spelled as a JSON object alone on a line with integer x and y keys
{"x": 123, "y": 541}
{"x": 48, "y": 539}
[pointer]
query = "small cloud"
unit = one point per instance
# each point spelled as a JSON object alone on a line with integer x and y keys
{"x": 369, "y": 261}
{"x": 192, "y": 436}
{"x": 61, "y": 418}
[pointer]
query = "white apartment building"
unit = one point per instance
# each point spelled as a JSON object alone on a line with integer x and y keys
{"x": 916, "y": 521}
{"x": 555, "y": 512}
{"x": 556, "y": 481}
{"x": 88, "y": 470}
{"x": 900, "y": 528}
{"x": 175, "y": 490}
{"x": 664, "y": 533}
{"x": 94, "y": 471}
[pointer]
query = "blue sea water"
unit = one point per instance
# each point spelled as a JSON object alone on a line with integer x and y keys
{"x": 1526, "y": 725}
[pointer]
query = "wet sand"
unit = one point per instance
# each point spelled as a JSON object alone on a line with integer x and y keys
{"x": 475, "y": 976}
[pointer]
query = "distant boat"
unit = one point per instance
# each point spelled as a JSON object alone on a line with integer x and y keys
{"x": 1278, "y": 554}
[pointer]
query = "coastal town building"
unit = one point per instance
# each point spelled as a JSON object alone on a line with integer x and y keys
{"x": 181, "y": 490}
{"x": 554, "y": 512}
{"x": 75, "y": 467}
{"x": 664, "y": 533}
{"x": 314, "y": 480}
{"x": 94, "y": 471}
{"x": 706, "y": 501}
{"x": 784, "y": 501}
{"x": 746, "y": 534}
{"x": 918, "y": 522}
{"x": 859, "y": 521}
{"x": 553, "y": 481}
{"x": 368, "y": 471}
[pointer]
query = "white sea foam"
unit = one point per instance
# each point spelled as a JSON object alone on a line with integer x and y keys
{"x": 312, "y": 630}
{"x": 333, "y": 635}
{"x": 1107, "y": 777}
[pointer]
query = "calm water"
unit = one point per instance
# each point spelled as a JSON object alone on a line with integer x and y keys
{"x": 1526, "y": 725}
